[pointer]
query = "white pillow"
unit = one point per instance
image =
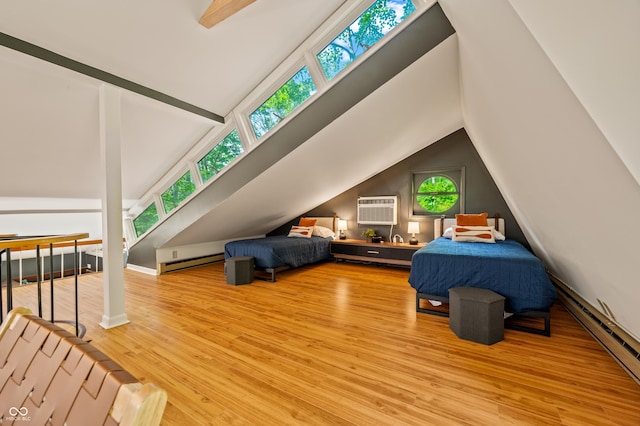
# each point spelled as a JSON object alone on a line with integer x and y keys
{"x": 497, "y": 235}
{"x": 473, "y": 234}
{"x": 301, "y": 231}
{"x": 324, "y": 232}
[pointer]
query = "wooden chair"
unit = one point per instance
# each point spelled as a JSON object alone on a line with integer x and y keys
{"x": 48, "y": 376}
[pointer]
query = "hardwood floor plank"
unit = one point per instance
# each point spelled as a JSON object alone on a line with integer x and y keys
{"x": 340, "y": 344}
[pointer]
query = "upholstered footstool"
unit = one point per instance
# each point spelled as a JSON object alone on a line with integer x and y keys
{"x": 239, "y": 270}
{"x": 476, "y": 314}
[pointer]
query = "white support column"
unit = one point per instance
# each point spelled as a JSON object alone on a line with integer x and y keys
{"x": 112, "y": 258}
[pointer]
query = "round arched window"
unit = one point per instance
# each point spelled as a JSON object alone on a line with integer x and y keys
{"x": 437, "y": 194}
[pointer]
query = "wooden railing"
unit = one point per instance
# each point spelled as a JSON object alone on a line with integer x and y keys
{"x": 60, "y": 247}
{"x": 9, "y": 243}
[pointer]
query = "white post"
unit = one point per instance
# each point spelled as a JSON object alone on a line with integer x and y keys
{"x": 113, "y": 265}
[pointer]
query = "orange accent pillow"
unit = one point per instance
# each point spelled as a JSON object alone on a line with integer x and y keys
{"x": 472, "y": 219}
{"x": 307, "y": 222}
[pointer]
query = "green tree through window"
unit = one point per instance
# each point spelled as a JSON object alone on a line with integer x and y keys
{"x": 437, "y": 194}
{"x": 364, "y": 32}
{"x": 177, "y": 192}
{"x": 220, "y": 156}
{"x": 145, "y": 220}
{"x": 282, "y": 103}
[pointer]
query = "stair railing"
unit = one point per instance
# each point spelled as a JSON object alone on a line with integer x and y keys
{"x": 13, "y": 242}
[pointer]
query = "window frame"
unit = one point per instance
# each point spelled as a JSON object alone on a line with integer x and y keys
{"x": 345, "y": 23}
{"x": 133, "y": 221}
{"x": 213, "y": 146}
{"x": 244, "y": 111}
{"x": 454, "y": 174}
{"x": 181, "y": 175}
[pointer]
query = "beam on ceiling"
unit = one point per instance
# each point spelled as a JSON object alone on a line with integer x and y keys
{"x": 54, "y": 58}
{"x": 220, "y": 10}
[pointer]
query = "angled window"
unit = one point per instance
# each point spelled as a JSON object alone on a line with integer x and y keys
{"x": 286, "y": 99}
{"x": 145, "y": 220}
{"x": 364, "y": 32}
{"x": 438, "y": 192}
{"x": 220, "y": 156}
{"x": 177, "y": 192}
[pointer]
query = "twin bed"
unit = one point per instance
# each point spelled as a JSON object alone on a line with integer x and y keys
{"x": 276, "y": 253}
{"x": 504, "y": 266}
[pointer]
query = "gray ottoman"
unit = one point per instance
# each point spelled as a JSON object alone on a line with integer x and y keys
{"x": 476, "y": 314}
{"x": 239, "y": 270}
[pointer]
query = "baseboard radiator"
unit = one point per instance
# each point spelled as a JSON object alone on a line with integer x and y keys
{"x": 624, "y": 348}
{"x": 190, "y": 263}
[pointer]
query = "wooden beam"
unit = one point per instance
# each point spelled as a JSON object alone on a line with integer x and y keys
{"x": 220, "y": 10}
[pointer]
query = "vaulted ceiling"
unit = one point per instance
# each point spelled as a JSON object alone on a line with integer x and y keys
{"x": 159, "y": 45}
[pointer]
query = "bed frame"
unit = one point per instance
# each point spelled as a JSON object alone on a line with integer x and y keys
{"x": 330, "y": 222}
{"x": 523, "y": 321}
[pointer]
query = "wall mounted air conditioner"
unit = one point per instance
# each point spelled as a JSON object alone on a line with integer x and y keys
{"x": 378, "y": 210}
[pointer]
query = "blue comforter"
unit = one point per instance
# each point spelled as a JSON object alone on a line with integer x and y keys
{"x": 280, "y": 250}
{"x": 505, "y": 267}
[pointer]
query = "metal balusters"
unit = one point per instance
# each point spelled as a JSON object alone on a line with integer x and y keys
{"x": 39, "y": 280}
{"x": 75, "y": 274}
{"x": 51, "y": 276}
{"x": 9, "y": 283}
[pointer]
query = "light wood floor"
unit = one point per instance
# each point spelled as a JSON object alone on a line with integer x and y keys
{"x": 342, "y": 344}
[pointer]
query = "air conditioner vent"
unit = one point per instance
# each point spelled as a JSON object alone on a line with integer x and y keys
{"x": 378, "y": 210}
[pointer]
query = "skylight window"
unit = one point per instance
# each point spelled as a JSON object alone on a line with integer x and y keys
{"x": 145, "y": 220}
{"x": 364, "y": 32}
{"x": 220, "y": 156}
{"x": 177, "y": 192}
{"x": 282, "y": 103}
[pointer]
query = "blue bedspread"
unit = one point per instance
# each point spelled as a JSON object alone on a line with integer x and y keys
{"x": 505, "y": 267}
{"x": 280, "y": 250}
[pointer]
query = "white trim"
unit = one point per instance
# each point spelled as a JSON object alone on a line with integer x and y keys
{"x": 115, "y": 321}
{"x": 142, "y": 269}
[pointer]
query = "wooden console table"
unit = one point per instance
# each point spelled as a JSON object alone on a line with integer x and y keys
{"x": 387, "y": 253}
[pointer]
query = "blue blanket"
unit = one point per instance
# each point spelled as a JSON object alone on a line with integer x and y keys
{"x": 505, "y": 267}
{"x": 280, "y": 250}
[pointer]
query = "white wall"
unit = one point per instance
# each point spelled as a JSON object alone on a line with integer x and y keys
{"x": 594, "y": 45}
{"x": 556, "y": 169}
{"x": 52, "y": 224}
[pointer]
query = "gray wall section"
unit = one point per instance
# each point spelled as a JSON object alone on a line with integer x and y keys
{"x": 453, "y": 151}
{"x": 423, "y": 34}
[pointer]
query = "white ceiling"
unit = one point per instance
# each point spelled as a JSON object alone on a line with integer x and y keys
{"x": 159, "y": 45}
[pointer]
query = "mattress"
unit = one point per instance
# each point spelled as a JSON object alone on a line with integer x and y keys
{"x": 280, "y": 250}
{"x": 505, "y": 267}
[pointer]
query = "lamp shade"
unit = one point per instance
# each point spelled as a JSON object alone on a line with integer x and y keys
{"x": 342, "y": 225}
{"x": 414, "y": 228}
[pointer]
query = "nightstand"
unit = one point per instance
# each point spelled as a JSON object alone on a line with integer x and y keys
{"x": 387, "y": 253}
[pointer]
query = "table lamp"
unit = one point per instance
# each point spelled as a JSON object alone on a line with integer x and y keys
{"x": 342, "y": 226}
{"x": 414, "y": 228}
